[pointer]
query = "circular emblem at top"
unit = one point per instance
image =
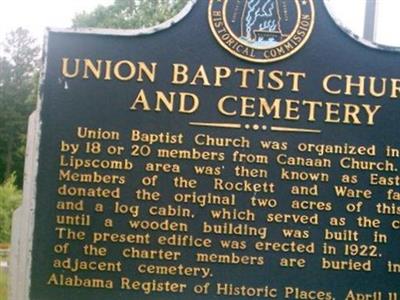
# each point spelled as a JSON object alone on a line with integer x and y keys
{"x": 262, "y": 30}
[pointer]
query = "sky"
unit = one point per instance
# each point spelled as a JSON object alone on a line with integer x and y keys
{"x": 351, "y": 13}
{"x": 36, "y": 15}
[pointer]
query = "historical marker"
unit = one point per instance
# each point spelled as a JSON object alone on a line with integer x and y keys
{"x": 249, "y": 151}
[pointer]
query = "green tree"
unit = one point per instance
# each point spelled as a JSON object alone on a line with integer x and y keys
{"x": 10, "y": 198}
{"x": 18, "y": 82}
{"x": 129, "y": 14}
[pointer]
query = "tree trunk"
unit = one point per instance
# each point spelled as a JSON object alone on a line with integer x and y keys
{"x": 9, "y": 160}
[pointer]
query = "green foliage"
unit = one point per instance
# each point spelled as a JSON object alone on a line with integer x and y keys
{"x": 129, "y": 14}
{"x": 10, "y": 199}
{"x": 18, "y": 82}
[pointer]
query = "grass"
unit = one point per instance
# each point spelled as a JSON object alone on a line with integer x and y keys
{"x": 3, "y": 278}
{"x": 3, "y": 285}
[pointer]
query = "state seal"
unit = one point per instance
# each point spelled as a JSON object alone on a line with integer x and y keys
{"x": 262, "y": 31}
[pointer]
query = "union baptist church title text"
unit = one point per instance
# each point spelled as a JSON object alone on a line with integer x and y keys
{"x": 252, "y": 93}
